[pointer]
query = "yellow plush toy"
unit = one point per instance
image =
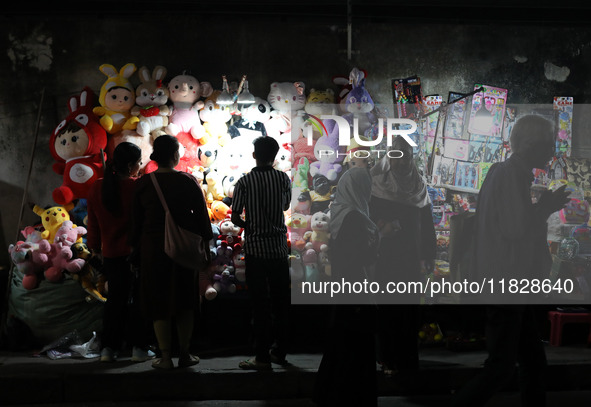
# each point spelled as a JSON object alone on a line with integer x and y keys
{"x": 116, "y": 99}
{"x": 52, "y": 219}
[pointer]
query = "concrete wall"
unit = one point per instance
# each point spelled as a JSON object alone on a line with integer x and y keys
{"x": 61, "y": 54}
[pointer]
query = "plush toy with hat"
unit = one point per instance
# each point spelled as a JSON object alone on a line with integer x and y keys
{"x": 185, "y": 94}
{"x": 116, "y": 98}
{"x": 151, "y": 98}
{"x": 360, "y": 105}
{"x": 77, "y": 144}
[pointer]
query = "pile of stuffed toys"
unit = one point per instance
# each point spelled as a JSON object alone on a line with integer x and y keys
{"x": 217, "y": 149}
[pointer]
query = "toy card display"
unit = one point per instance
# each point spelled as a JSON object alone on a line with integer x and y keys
{"x": 456, "y": 117}
{"x": 476, "y": 149}
{"x": 444, "y": 170}
{"x": 564, "y": 106}
{"x": 456, "y": 149}
{"x": 482, "y": 172}
{"x": 408, "y": 97}
{"x": 494, "y": 103}
{"x": 466, "y": 175}
{"x": 430, "y": 103}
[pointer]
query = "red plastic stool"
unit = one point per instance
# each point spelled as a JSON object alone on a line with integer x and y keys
{"x": 558, "y": 319}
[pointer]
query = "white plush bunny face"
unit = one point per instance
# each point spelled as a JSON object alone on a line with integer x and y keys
{"x": 152, "y": 91}
{"x": 287, "y": 97}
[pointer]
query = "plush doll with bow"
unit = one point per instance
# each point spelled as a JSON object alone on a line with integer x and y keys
{"x": 151, "y": 98}
{"x": 116, "y": 99}
{"x": 185, "y": 93}
{"x": 288, "y": 101}
{"x": 77, "y": 144}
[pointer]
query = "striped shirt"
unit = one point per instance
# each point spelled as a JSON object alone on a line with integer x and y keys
{"x": 263, "y": 194}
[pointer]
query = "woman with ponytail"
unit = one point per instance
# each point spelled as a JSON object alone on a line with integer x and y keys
{"x": 109, "y": 213}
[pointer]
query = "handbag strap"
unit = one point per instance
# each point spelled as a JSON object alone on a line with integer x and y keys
{"x": 159, "y": 191}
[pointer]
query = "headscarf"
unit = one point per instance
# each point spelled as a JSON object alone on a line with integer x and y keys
{"x": 353, "y": 194}
{"x": 406, "y": 188}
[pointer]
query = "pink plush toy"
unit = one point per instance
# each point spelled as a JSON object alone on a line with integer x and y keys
{"x": 60, "y": 254}
{"x": 21, "y": 255}
{"x": 185, "y": 92}
{"x": 76, "y": 145}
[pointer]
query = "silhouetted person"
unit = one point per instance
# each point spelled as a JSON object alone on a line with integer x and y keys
{"x": 511, "y": 242}
{"x": 263, "y": 195}
{"x": 169, "y": 291}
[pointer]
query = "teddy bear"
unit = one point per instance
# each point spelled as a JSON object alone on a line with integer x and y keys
{"x": 91, "y": 280}
{"x": 213, "y": 186}
{"x": 185, "y": 93}
{"x": 151, "y": 97}
{"x": 298, "y": 226}
{"x": 287, "y": 100}
{"x": 224, "y": 281}
{"x": 329, "y": 153}
{"x": 319, "y": 235}
{"x": 60, "y": 254}
{"x": 253, "y": 119}
{"x": 215, "y": 120}
{"x": 116, "y": 98}
{"x": 77, "y": 144}
{"x": 52, "y": 219}
{"x": 230, "y": 234}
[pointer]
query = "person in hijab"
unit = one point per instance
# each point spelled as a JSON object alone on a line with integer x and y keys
{"x": 400, "y": 205}
{"x": 347, "y": 371}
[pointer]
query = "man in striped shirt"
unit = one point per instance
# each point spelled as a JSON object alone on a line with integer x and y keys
{"x": 264, "y": 194}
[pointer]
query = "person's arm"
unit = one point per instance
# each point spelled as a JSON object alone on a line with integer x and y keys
{"x": 286, "y": 193}
{"x": 238, "y": 205}
{"x": 93, "y": 236}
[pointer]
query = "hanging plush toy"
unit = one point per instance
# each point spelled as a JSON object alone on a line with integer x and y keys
{"x": 329, "y": 154}
{"x": 287, "y": 100}
{"x": 151, "y": 97}
{"x": 215, "y": 120}
{"x": 185, "y": 92}
{"x": 360, "y": 106}
{"x": 77, "y": 144}
{"x": 116, "y": 99}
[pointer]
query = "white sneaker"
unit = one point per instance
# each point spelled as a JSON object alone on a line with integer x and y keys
{"x": 140, "y": 355}
{"x": 108, "y": 355}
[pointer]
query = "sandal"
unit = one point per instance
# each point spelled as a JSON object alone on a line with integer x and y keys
{"x": 253, "y": 364}
{"x": 187, "y": 361}
{"x": 164, "y": 364}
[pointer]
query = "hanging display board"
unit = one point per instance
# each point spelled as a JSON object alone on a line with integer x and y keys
{"x": 564, "y": 106}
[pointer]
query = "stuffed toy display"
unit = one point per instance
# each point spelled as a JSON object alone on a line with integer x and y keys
{"x": 52, "y": 219}
{"x": 224, "y": 281}
{"x": 320, "y": 102}
{"x": 239, "y": 266}
{"x": 116, "y": 98}
{"x": 228, "y": 183}
{"x": 218, "y": 211}
{"x": 319, "y": 235}
{"x": 214, "y": 190}
{"x": 253, "y": 119}
{"x": 298, "y": 227}
{"x": 296, "y": 267}
{"x": 151, "y": 97}
{"x": 215, "y": 120}
{"x": 185, "y": 93}
{"x": 77, "y": 145}
{"x": 321, "y": 194}
{"x": 236, "y": 156}
{"x": 288, "y": 101}
{"x": 59, "y": 254}
{"x": 283, "y": 158}
{"x": 310, "y": 263}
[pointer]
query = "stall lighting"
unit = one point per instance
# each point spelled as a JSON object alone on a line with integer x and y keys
{"x": 225, "y": 97}
{"x": 245, "y": 98}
